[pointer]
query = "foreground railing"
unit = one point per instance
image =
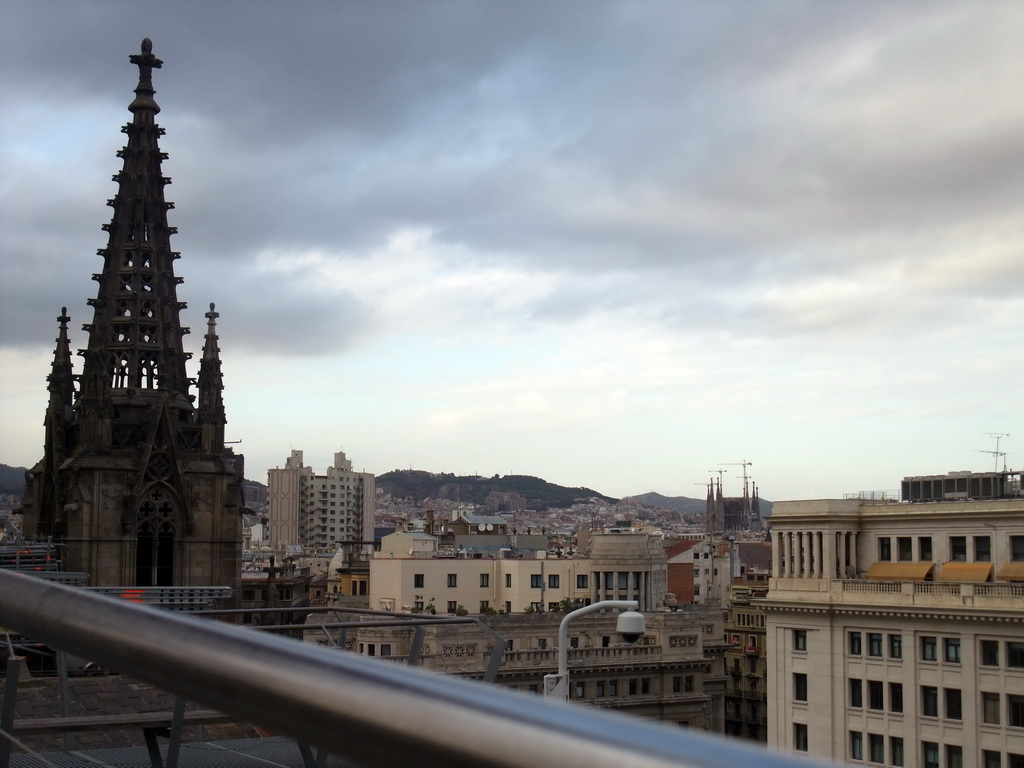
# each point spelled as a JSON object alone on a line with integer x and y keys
{"x": 372, "y": 712}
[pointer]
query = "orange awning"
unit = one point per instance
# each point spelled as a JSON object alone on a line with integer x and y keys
{"x": 900, "y": 571}
{"x": 1012, "y": 572}
{"x": 977, "y": 572}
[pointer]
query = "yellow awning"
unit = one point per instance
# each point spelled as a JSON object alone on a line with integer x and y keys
{"x": 900, "y": 571}
{"x": 977, "y": 572}
{"x": 1012, "y": 572}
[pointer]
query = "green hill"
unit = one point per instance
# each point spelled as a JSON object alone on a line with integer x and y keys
{"x": 473, "y": 489}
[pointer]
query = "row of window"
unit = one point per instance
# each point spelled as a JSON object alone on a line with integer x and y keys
{"x": 949, "y": 703}
{"x": 993, "y": 759}
{"x": 993, "y": 653}
{"x": 370, "y": 649}
{"x": 905, "y": 548}
{"x": 959, "y": 547}
{"x": 634, "y": 686}
{"x": 876, "y": 695}
{"x": 952, "y": 701}
{"x": 930, "y": 751}
{"x": 876, "y": 748}
{"x": 992, "y": 709}
{"x": 855, "y": 644}
{"x": 536, "y": 580}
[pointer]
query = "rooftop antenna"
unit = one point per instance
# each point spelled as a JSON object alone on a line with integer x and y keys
{"x": 997, "y": 453}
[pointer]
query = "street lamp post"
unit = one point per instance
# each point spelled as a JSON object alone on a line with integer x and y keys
{"x": 630, "y": 625}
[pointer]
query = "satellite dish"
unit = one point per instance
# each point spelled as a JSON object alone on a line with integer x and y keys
{"x": 490, "y": 527}
{"x": 481, "y": 527}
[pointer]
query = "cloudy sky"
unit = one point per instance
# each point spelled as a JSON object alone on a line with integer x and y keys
{"x": 612, "y": 244}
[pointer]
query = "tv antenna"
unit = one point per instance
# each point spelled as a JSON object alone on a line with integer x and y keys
{"x": 997, "y": 453}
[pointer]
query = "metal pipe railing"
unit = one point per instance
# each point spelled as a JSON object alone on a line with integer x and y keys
{"x": 372, "y": 712}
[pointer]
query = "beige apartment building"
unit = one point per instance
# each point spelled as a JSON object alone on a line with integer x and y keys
{"x": 319, "y": 511}
{"x": 895, "y": 631}
{"x": 746, "y": 694}
{"x": 413, "y": 571}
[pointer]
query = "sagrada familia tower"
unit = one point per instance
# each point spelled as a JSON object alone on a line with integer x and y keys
{"x": 136, "y": 482}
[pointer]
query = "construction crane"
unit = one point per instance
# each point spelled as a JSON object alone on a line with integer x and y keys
{"x": 743, "y": 464}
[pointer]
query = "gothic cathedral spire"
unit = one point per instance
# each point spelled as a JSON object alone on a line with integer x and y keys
{"x": 136, "y": 481}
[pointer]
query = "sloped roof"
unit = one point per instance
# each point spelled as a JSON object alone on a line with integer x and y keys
{"x": 678, "y": 547}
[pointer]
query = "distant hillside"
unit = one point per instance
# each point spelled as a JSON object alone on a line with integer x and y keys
{"x": 12, "y": 480}
{"x": 539, "y": 494}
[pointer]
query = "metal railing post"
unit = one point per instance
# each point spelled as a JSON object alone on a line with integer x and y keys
{"x": 174, "y": 737}
{"x": 64, "y": 692}
{"x": 7, "y": 713}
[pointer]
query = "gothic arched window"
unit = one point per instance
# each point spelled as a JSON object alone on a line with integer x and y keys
{"x": 155, "y": 529}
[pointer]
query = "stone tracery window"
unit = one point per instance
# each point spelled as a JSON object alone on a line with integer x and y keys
{"x": 155, "y": 532}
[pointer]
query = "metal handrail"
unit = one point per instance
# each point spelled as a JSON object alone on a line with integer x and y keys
{"x": 365, "y": 709}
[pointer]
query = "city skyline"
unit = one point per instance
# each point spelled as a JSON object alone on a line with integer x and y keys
{"x": 612, "y": 245}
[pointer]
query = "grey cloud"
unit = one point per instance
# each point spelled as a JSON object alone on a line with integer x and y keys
{"x": 540, "y": 133}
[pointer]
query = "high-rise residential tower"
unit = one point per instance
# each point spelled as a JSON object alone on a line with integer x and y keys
{"x": 319, "y": 511}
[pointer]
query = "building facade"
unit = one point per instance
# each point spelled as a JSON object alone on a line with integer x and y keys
{"x": 674, "y": 674}
{"x": 135, "y": 481}
{"x": 319, "y": 511}
{"x": 412, "y": 572}
{"x": 746, "y": 694}
{"x": 895, "y": 631}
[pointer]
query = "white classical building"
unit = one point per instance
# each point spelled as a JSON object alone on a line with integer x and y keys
{"x": 895, "y": 631}
{"x": 319, "y": 511}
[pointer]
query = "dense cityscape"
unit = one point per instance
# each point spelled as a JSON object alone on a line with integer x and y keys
{"x": 874, "y": 627}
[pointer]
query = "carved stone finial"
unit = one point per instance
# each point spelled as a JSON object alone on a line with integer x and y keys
{"x": 146, "y": 62}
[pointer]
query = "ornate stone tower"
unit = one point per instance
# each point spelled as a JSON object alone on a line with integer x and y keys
{"x": 136, "y": 481}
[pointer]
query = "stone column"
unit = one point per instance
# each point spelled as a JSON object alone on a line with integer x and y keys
{"x": 818, "y": 570}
